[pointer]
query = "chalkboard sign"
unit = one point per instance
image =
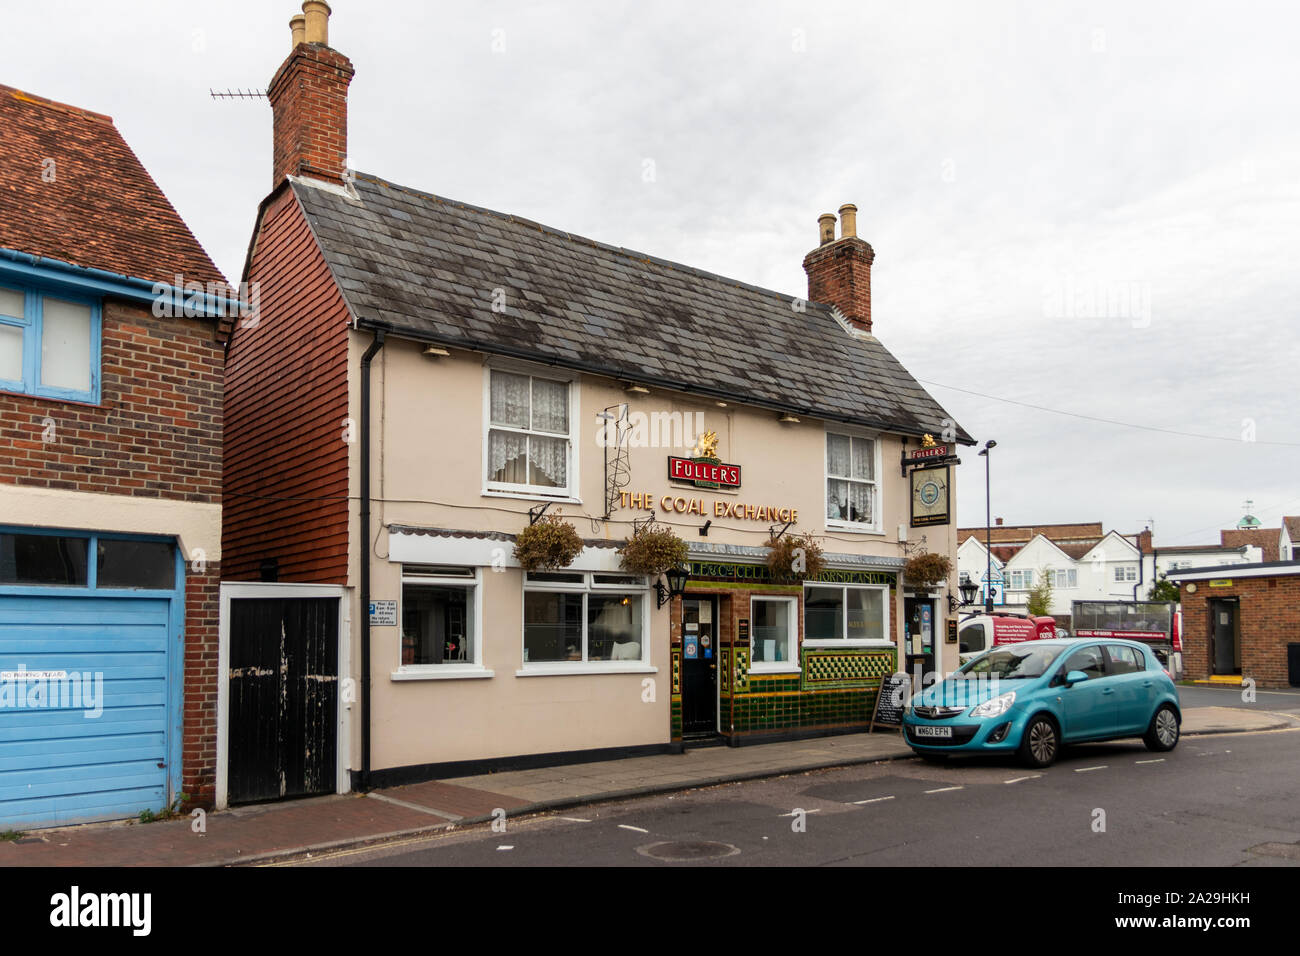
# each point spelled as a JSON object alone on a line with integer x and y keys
{"x": 890, "y": 701}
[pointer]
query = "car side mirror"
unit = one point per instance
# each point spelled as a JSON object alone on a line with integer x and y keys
{"x": 1074, "y": 677}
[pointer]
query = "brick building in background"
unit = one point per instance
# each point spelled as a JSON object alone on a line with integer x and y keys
{"x": 110, "y": 478}
{"x": 1241, "y": 622}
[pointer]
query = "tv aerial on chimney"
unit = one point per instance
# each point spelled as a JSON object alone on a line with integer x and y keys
{"x": 237, "y": 94}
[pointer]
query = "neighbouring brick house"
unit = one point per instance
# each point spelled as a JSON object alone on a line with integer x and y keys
{"x": 428, "y": 376}
{"x": 111, "y": 359}
{"x": 1239, "y": 621}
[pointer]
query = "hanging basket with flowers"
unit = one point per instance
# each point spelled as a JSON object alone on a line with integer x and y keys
{"x": 795, "y": 557}
{"x": 652, "y": 550}
{"x": 927, "y": 570}
{"x": 551, "y": 543}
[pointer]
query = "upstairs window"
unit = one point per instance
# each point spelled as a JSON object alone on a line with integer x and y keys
{"x": 529, "y": 434}
{"x": 1021, "y": 580}
{"x": 49, "y": 345}
{"x": 851, "y": 490}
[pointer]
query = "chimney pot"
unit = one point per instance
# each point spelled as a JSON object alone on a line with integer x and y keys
{"x": 826, "y": 227}
{"x": 317, "y": 16}
{"x": 839, "y": 272}
{"x": 309, "y": 102}
{"x": 848, "y": 220}
{"x": 998, "y": 522}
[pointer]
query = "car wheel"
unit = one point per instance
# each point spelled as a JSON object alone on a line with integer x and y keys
{"x": 1040, "y": 744}
{"x": 1162, "y": 735}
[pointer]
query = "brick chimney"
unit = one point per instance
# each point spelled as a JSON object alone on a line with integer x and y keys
{"x": 839, "y": 270}
{"x": 309, "y": 102}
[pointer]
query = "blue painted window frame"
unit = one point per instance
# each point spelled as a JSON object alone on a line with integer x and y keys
{"x": 33, "y": 331}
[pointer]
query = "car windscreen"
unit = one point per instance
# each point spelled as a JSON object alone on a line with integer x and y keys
{"x": 1021, "y": 662}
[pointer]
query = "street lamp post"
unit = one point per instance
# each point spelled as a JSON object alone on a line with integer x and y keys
{"x": 988, "y": 529}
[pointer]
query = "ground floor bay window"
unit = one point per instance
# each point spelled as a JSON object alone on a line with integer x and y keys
{"x": 575, "y": 618}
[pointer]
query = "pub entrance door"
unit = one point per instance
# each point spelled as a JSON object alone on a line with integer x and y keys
{"x": 699, "y": 666}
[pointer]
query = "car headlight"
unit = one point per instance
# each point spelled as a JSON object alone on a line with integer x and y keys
{"x": 995, "y": 706}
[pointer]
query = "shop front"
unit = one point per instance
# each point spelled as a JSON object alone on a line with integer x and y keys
{"x": 753, "y": 658}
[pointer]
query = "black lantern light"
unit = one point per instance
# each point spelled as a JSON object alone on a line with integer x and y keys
{"x": 968, "y": 591}
{"x": 677, "y": 578}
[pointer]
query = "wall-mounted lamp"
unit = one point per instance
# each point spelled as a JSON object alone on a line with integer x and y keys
{"x": 434, "y": 351}
{"x": 704, "y": 529}
{"x": 968, "y": 592}
{"x": 788, "y": 419}
{"x": 632, "y": 388}
{"x": 677, "y": 578}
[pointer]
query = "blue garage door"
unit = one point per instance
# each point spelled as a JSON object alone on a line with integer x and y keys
{"x": 86, "y": 704}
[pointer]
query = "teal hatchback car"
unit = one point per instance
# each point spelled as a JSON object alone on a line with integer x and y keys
{"x": 1031, "y": 698}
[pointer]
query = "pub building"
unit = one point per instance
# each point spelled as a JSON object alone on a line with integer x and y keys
{"x": 499, "y": 372}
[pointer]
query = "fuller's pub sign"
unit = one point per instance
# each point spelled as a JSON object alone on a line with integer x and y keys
{"x": 704, "y": 469}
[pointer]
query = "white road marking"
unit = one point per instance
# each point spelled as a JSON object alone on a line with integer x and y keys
{"x": 575, "y": 819}
{"x": 944, "y": 789}
{"x": 1032, "y": 776}
{"x": 506, "y": 846}
{"x": 793, "y": 812}
{"x": 1157, "y": 760}
{"x": 1086, "y": 769}
{"x": 624, "y": 826}
{"x": 858, "y": 803}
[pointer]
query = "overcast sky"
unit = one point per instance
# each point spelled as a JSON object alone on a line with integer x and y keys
{"x": 1091, "y": 207}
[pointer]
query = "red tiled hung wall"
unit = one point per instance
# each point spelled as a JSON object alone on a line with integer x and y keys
{"x": 286, "y": 463}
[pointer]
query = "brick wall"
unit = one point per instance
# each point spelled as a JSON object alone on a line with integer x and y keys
{"x": 309, "y": 109}
{"x": 1268, "y": 617}
{"x": 157, "y": 431}
{"x": 156, "y": 434}
{"x": 199, "y": 730}
{"x": 839, "y": 274}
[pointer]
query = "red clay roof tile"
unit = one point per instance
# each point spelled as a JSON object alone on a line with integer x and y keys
{"x": 101, "y": 210}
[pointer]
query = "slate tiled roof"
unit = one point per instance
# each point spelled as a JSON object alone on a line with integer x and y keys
{"x": 101, "y": 209}
{"x": 427, "y": 266}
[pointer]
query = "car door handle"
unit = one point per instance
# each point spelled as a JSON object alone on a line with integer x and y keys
{"x": 1108, "y": 690}
{"x": 1146, "y": 683}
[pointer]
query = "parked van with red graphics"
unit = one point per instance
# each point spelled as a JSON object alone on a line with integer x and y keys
{"x": 980, "y": 632}
{"x": 1158, "y": 624}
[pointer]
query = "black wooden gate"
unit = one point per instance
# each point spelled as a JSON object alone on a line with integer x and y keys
{"x": 283, "y": 698}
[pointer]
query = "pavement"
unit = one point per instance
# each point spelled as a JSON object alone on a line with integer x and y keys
{"x": 292, "y": 829}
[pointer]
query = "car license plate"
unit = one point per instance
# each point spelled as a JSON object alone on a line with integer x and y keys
{"x": 945, "y": 732}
